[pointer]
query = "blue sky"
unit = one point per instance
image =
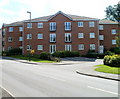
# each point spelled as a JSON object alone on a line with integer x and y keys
{"x": 15, "y": 10}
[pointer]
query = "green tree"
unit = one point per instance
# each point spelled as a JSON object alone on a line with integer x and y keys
{"x": 113, "y": 13}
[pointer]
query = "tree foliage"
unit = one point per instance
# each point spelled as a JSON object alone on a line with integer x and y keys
{"x": 113, "y": 12}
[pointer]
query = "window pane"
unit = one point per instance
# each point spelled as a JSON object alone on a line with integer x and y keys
{"x": 10, "y": 29}
{"x": 91, "y": 24}
{"x": 113, "y": 31}
{"x": 52, "y": 26}
{"x": 80, "y": 24}
{"x": 40, "y": 36}
{"x": 40, "y": 25}
{"x": 40, "y": 47}
{"x": 67, "y": 37}
{"x": 67, "y": 25}
{"x": 52, "y": 37}
{"x": 92, "y": 35}
{"x": 20, "y": 28}
{"x": 80, "y": 35}
{"x": 29, "y": 25}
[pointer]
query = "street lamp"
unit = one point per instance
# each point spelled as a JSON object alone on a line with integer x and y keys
{"x": 29, "y": 40}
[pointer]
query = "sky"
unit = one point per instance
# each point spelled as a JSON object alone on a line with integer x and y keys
{"x": 16, "y": 10}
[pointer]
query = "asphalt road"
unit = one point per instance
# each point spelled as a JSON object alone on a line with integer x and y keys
{"x": 45, "y": 80}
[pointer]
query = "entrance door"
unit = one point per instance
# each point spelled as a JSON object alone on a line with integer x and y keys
{"x": 101, "y": 49}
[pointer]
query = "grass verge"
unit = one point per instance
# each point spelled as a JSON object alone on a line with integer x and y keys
{"x": 32, "y": 59}
{"x": 107, "y": 69}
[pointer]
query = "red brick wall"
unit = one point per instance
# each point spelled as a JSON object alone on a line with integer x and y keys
{"x": 60, "y": 33}
{"x": 108, "y": 36}
{"x": 15, "y": 36}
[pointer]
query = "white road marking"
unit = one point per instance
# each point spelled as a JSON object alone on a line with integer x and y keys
{"x": 103, "y": 90}
{"x": 7, "y": 91}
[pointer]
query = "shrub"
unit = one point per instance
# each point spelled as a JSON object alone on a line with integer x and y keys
{"x": 109, "y": 53}
{"x": 101, "y": 56}
{"x": 15, "y": 51}
{"x": 57, "y": 59}
{"x": 92, "y": 54}
{"x": 45, "y": 56}
{"x": 63, "y": 54}
{"x": 116, "y": 50}
{"x": 112, "y": 60}
{"x": 5, "y": 53}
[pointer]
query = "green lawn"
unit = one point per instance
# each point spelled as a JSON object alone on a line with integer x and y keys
{"x": 32, "y": 59}
{"x": 107, "y": 69}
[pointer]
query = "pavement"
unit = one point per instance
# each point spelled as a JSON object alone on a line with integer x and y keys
{"x": 52, "y": 80}
{"x": 4, "y": 93}
{"x": 86, "y": 69}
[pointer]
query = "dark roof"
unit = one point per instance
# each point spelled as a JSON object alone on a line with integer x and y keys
{"x": 18, "y": 23}
{"x": 76, "y": 17}
{"x": 105, "y": 21}
{"x": 71, "y": 17}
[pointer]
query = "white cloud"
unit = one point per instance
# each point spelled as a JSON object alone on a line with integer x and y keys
{"x": 4, "y": 2}
{"x": 89, "y": 8}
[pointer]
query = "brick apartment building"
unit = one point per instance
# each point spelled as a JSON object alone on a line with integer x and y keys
{"x": 60, "y": 32}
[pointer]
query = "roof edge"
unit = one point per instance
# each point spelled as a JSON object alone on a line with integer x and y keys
{"x": 59, "y": 12}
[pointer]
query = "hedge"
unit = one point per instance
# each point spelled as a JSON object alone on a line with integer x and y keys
{"x": 14, "y": 51}
{"x": 63, "y": 54}
{"x": 112, "y": 60}
{"x": 115, "y": 50}
{"x": 45, "y": 56}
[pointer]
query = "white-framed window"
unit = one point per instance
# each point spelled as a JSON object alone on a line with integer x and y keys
{"x": 10, "y": 29}
{"x": 68, "y": 47}
{"x": 67, "y": 37}
{"x": 113, "y": 42}
{"x": 20, "y": 28}
{"x": 113, "y": 31}
{"x": 28, "y": 47}
{"x": 20, "y": 38}
{"x": 53, "y": 37}
{"x": 10, "y": 39}
{"x": 52, "y": 48}
{"x": 9, "y": 48}
{"x": 101, "y": 49}
{"x": 40, "y": 36}
{"x": 52, "y": 26}
{"x": 91, "y": 24}
{"x": 80, "y": 35}
{"x": 40, "y": 25}
{"x": 80, "y": 24}
{"x": 40, "y": 47}
{"x": 81, "y": 47}
{"x": 101, "y": 37}
{"x": 20, "y": 47}
{"x": 100, "y": 27}
{"x": 29, "y": 25}
{"x": 92, "y": 46}
{"x": 29, "y": 36}
{"x": 67, "y": 26}
{"x": 92, "y": 35}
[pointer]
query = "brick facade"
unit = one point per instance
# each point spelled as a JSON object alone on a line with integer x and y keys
{"x": 60, "y": 18}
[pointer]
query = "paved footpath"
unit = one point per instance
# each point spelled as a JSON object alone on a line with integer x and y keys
{"x": 88, "y": 67}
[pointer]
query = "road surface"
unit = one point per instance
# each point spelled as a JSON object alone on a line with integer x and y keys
{"x": 46, "y": 80}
